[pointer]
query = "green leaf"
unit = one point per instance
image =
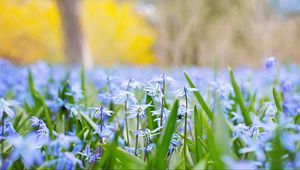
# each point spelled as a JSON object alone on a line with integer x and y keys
{"x": 108, "y": 158}
{"x": 199, "y": 98}
{"x": 37, "y": 98}
{"x": 90, "y": 122}
{"x": 83, "y": 86}
{"x": 151, "y": 123}
{"x": 125, "y": 158}
{"x": 165, "y": 139}
{"x": 48, "y": 121}
{"x": 277, "y": 99}
{"x": 239, "y": 99}
{"x": 277, "y": 153}
{"x": 39, "y": 103}
{"x": 198, "y": 126}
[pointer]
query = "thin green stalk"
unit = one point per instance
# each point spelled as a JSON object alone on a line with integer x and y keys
{"x": 2, "y": 142}
{"x": 185, "y": 129}
{"x": 145, "y": 150}
{"x": 137, "y": 136}
{"x": 126, "y": 121}
{"x": 162, "y": 101}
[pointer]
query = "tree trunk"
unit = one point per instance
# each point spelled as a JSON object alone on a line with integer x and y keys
{"x": 76, "y": 48}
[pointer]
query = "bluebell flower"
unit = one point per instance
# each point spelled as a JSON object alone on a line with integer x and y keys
{"x": 153, "y": 89}
{"x": 185, "y": 91}
{"x": 5, "y": 107}
{"x": 270, "y": 62}
{"x": 75, "y": 91}
{"x": 131, "y": 84}
{"x": 286, "y": 85}
{"x": 241, "y": 130}
{"x": 269, "y": 108}
{"x": 137, "y": 110}
{"x": 62, "y": 141}
{"x": 24, "y": 148}
{"x": 158, "y": 113}
{"x": 105, "y": 129}
{"x": 182, "y": 110}
{"x": 103, "y": 113}
{"x": 42, "y": 136}
{"x": 125, "y": 96}
{"x": 9, "y": 130}
{"x": 237, "y": 116}
{"x": 174, "y": 143}
{"x": 289, "y": 141}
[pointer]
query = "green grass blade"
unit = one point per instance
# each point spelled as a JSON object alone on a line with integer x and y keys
{"x": 277, "y": 99}
{"x": 165, "y": 138}
{"x": 151, "y": 123}
{"x": 198, "y": 133}
{"x": 83, "y": 87}
{"x": 90, "y": 122}
{"x": 126, "y": 158}
{"x": 108, "y": 159}
{"x": 199, "y": 98}
{"x": 239, "y": 98}
{"x": 277, "y": 152}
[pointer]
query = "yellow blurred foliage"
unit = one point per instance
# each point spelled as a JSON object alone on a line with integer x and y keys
{"x": 117, "y": 33}
{"x": 30, "y": 29}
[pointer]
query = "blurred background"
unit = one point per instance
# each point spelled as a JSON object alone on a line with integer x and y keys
{"x": 158, "y": 32}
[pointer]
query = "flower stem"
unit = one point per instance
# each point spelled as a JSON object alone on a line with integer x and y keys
{"x": 137, "y": 136}
{"x": 185, "y": 129}
{"x": 162, "y": 100}
{"x": 2, "y": 142}
{"x": 126, "y": 121}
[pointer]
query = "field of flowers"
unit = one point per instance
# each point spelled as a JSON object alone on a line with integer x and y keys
{"x": 54, "y": 117}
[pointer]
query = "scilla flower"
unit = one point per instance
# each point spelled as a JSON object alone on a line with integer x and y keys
{"x": 5, "y": 107}
{"x": 270, "y": 62}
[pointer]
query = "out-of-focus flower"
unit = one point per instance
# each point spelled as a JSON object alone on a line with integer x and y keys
{"x": 5, "y": 107}
{"x": 9, "y": 130}
{"x": 185, "y": 91}
{"x": 153, "y": 89}
{"x": 286, "y": 85}
{"x": 243, "y": 164}
{"x": 270, "y": 62}
{"x": 105, "y": 129}
{"x": 289, "y": 141}
{"x": 24, "y": 148}
{"x": 125, "y": 96}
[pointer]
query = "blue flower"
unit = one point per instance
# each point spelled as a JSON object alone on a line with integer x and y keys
{"x": 9, "y": 130}
{"x": 185, "y": 91}
{"x": 5, "y": 107}
{"x": 125, "y": 96}
{"x": 270, "y": 62}
{"x": 24, "y": 148}
{"x": 42, "y": 136}
{"x": 286, "y": 85}
{"x": 102, "y": 112}
{"x": 153, "y": 89}
{"x": 137, "y": 110}
{"x": 105, "y": 129}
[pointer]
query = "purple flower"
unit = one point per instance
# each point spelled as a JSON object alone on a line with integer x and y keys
{"x": 5, "y": 107}
{"x": 24, "y": 148}
{"x": 270, "y": 62}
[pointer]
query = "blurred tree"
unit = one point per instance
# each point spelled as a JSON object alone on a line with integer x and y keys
{"x": 76, "y": 49}
{"x": 31, "y": 30}
{"x": 117, "y": 33}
